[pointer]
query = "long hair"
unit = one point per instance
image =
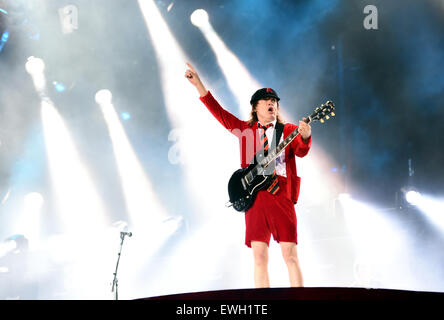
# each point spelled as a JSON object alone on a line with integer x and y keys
{"x": 253, "y": 115}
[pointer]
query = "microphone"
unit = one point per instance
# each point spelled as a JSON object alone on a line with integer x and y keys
{"x": 129, "y": 234}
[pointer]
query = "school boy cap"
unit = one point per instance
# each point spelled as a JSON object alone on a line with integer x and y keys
{"x": 264, "y": 93}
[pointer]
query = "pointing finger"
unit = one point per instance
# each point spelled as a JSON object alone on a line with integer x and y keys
{"x": 191, "y": 68}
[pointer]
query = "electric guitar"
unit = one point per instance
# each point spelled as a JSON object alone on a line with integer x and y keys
{"x": 245, "y": 183}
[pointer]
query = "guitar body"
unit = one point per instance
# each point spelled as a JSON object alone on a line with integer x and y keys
{"x": 242, "y": 193}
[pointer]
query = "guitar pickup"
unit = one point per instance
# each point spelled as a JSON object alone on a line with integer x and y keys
{"x": 248, "y": 181}
{"x": 244, "y": 181}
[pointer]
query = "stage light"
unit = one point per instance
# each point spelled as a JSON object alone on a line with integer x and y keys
{"x": 35, "y": 65}
{"x": 343, "y": 197}
{"x": 103, "y": 96}
{"x": 34, "y": 200}
{"x": 199, "y": 17}
{"x": 413, "y": 197}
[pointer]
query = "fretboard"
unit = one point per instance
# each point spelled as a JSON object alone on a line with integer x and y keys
{"x": 275, "y": 153}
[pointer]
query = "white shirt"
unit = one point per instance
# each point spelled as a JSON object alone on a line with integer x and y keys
{"x": 281, "y": 169}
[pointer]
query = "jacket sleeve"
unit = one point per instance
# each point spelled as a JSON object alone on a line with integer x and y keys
{"x": 228, "y": 120}
{"x": 298, "y": 146}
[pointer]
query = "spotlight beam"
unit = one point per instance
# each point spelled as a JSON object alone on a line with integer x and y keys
{"x": 185, "y": 111}
{"x": 143, "y": 207}
{"x": 433, "y": 209}
{"x": 241, "y": 83}
{"x": 147, "y": 217}
{"x": 79, "y": 203}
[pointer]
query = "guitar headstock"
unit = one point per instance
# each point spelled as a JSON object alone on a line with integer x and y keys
{"x": 323, "y": 112}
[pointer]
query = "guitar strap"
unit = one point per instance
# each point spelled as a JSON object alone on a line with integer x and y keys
{"x": 276, "y": 139}
{"x": 278, "y": 133}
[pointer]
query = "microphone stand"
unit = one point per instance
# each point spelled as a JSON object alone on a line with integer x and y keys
{"x": 115, "y": 281}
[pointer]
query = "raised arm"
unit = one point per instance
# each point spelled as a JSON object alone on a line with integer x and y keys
{"x": 228, "y": 120}
{"x": 194, "y": 79}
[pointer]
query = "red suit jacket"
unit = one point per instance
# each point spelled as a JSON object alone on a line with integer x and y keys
{"x": 249, "y": 142}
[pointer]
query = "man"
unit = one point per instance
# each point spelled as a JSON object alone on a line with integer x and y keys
{"x": 273, "y": 209}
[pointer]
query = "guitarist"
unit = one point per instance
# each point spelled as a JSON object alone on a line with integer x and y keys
{"x": 272, "y": 212}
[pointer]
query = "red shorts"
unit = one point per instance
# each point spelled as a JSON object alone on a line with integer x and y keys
{"x": 271, "y": 215}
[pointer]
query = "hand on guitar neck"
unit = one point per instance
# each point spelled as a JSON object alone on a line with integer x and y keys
{"x": 304, "y": 129}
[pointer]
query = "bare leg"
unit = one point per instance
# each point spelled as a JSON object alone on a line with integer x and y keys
{"x": 290, "y": 255}
{"x": 260, "y": 255}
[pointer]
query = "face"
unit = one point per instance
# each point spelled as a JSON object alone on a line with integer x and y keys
{"x": 267, "y": 110}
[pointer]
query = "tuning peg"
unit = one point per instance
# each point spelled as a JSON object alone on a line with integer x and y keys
{"x": 322, "y": 120}
{"x": 332, "y": 114}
